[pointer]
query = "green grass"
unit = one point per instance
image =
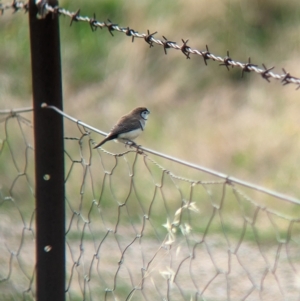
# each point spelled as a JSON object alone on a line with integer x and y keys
{"x": 244, "y": 127}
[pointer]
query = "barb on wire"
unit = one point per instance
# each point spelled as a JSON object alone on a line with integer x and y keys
{"x": 185, "y": 48}
{"x": 227, "y": 61}
{"x": 15, "y": 6}
{"x": 265, "y": 74}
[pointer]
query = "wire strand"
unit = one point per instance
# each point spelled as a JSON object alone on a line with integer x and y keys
{"x": 266, "y": 73}
{"x": 228, "y": 179}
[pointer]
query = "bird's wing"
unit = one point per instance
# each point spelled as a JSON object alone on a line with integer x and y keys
{"x": 125, "y": 126}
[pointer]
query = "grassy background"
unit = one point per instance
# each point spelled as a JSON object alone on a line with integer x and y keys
{"x": 244, "y": 127}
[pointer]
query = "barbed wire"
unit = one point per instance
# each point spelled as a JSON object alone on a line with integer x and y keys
{"x": 265, "y": 72}
{"x": 15, "y": 6}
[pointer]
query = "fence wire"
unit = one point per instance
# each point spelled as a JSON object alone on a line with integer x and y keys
{"x": 139, "y": 231}
{"x": 136, "y": 230}
{"x": 265, "y": 72}
{"x": 17, "y": 206}
{"x": 144, "y": 226}
{"x": 140, "y": 226}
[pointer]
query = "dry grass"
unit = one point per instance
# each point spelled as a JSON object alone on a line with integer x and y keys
{"x": 246, "y": 128}
{"x": 243, "y": 127}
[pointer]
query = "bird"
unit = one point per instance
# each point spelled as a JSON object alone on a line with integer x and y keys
{"x": 128, "y": 127}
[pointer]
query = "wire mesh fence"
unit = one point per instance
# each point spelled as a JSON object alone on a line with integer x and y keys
{"x": 17, "y": 207}
{"x": 143, "y": 227}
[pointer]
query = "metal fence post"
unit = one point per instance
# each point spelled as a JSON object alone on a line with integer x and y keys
{"x": 49, "y": 156}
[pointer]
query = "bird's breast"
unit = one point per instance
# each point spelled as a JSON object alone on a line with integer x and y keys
{"x": 130, "y": 135}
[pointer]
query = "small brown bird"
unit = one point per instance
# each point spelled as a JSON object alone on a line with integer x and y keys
{"x": 128, "y": 127}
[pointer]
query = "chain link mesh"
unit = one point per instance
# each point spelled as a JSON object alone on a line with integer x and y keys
{"x": 144, "y": 227}
{"x": 147, "y": 234}
{"x": 140, "y": 227}
{"x": 17, "y": 207}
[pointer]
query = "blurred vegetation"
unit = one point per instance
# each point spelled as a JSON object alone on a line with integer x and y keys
{"x": 244, "y": 127}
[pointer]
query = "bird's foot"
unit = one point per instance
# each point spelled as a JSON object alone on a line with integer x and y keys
{"x": 138, "y": 149}
{"x": 130, "y": 143}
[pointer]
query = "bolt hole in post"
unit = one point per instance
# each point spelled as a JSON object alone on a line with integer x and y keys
{"x": 47, "y": 248}
{"x": 46, "y": 177}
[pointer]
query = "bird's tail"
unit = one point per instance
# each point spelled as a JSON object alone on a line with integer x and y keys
{"x": 101, "y": 143}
